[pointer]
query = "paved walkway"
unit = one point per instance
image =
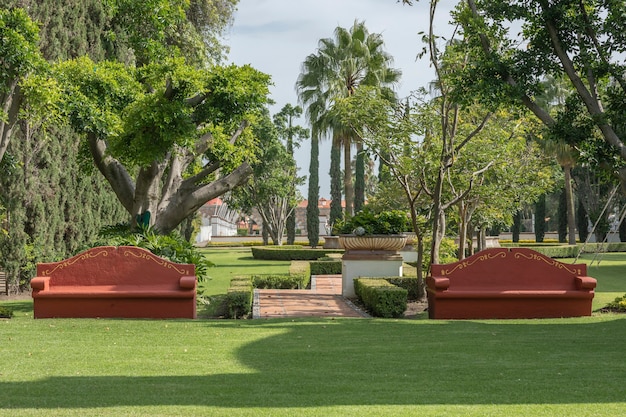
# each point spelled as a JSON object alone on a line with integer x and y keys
{"x": 322, "y": 300}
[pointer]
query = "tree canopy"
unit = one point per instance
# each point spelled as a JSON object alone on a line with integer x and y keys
{"x": 167, "y": 137}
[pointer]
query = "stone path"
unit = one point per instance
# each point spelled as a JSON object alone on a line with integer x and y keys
{"x": 324, "y": 299}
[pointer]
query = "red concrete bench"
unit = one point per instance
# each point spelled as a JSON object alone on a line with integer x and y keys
{"x": 107, "y": 281}
{"x": 509, "y": 283}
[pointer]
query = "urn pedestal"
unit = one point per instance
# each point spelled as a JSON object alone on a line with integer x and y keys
{"x": 370, "y": 256}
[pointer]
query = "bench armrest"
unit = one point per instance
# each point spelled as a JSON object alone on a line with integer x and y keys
{"x": 585, "y": 283}
{"x": 188, "y": 282}
{"x": 40, "y": 283}
{"x": 438, "y": 283}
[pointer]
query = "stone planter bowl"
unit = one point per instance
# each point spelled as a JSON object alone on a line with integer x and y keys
{"x": 373, "y": 242}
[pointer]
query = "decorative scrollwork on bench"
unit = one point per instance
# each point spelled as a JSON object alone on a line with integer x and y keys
{"x": 159, "y": 261}
{"x": 480, "y": 258}
{"x": 72, "y": 261}
{"x": 549, "y": 261}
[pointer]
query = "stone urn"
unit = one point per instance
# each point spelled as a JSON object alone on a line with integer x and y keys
{"x": 331, "y": 242}
{"x": 372, "y": 242}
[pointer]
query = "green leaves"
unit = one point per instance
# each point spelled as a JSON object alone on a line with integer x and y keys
{"x": 388, "y": 222}
{"x": 144, "y": 113}
{"x": 19, "y": 54}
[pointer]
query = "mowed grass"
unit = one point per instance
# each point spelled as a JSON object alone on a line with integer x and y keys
{"x": 315, "y": 367}
{"x": 610, "y": 271}
{"x": 230, "y": 262}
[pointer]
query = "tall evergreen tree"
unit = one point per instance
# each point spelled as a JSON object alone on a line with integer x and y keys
{"x": 582, "y": 222}
{"x": 562, "y": 217}
{"x": 312, "y": 208}
{"x": 359, "y": 180}
{"x": 53, "y": 205}
{"x": 336, "y": 212}
{"x": 540, "y": 218}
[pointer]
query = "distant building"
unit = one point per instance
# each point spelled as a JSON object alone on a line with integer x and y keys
{"x": 217, "y": 220}
{"x": 324, "y": 207}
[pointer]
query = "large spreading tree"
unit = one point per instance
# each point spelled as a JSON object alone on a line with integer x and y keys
{"x": 167, "y": 137}
{"x": 581, "y": 41}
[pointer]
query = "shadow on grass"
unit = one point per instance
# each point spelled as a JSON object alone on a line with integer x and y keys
{"x": 375, "y": 362}
{"x": 21, "y": 306}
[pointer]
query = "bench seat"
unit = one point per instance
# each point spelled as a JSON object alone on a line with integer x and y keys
{"x": 124, "y": 282}
{"x": 509, "y": 283}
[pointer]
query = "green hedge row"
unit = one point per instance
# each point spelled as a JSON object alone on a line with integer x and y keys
{"x": 570, "y": 251}
{"x": 301, "y": 270}
{"x": 279, "y": 281}
{"x": 409, "y": 283}
{"x": 381, "y": 298}
{"x": 239, "y": 297}
{"x": 250, "y": 243}
{"x": 330, "y": 267}
{"x": 290, "y": 253}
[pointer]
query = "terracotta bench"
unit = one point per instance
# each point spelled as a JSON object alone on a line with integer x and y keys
{"x": 509, "y": 283}
{"x": 107, "y": 281}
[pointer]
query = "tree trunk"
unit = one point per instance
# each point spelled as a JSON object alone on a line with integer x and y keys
{"x": 10, "y": 101}
{"x": 462, "y": 230}
{"x": 569, "y": 199}
{"x": 438, "y": 215}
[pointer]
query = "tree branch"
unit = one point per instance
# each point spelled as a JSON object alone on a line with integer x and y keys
{"x": 113, "y": 171}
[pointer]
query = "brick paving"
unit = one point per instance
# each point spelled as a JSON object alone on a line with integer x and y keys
{"x": 324, "y": 299}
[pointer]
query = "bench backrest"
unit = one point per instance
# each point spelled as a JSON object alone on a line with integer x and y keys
{"x": 509, "y": 268}
{"x": 110, "y": 265}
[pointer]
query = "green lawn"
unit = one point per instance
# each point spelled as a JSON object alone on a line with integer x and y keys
{"x": 610, "y": 271}
{"x": 235, "y": 261}
{"x": 315, "y": 367}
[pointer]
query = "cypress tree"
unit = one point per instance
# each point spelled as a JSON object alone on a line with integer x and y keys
{"x": 359, "y": 180}
{"x": 312, "y": 208}
{"x": 562, "y": 217}
{"x": 540, "y": 218}
{"x": 54, "y": 207}
{"x": 336, "y": 213}
{"x": 582, "y": 222}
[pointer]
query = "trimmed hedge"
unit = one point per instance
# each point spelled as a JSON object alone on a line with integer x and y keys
{"x": 409, "y": 283}
{"x": 330, "y": 267}
{"x": 275, "y": 281}
{"x": 290, "y": 253}
{"x": 301, "y": 270}
{"x": 381, "y": 298}
{"x": 239, "y": 297}
{"x": 570, "y": 251}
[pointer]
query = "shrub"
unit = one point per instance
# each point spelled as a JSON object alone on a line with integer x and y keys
{"x": 616, "y": 306}
{"x": 410, "y": 283}
{"x": 276, "y": 281}
{"x": 290, "y": 253}
{"x": 368, "y": 222}
{"x": 6, "y": 313}
{"x": 381, "y": 298}
{"x": 239, "y": 298}
{"x": 301, "y": 270}
{"x": 326, "y": 267}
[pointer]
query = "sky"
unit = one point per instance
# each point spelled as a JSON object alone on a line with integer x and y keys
{"x": 275, "y": 36}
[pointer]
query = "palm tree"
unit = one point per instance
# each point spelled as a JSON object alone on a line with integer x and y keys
{"x": 341, "y": 64}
